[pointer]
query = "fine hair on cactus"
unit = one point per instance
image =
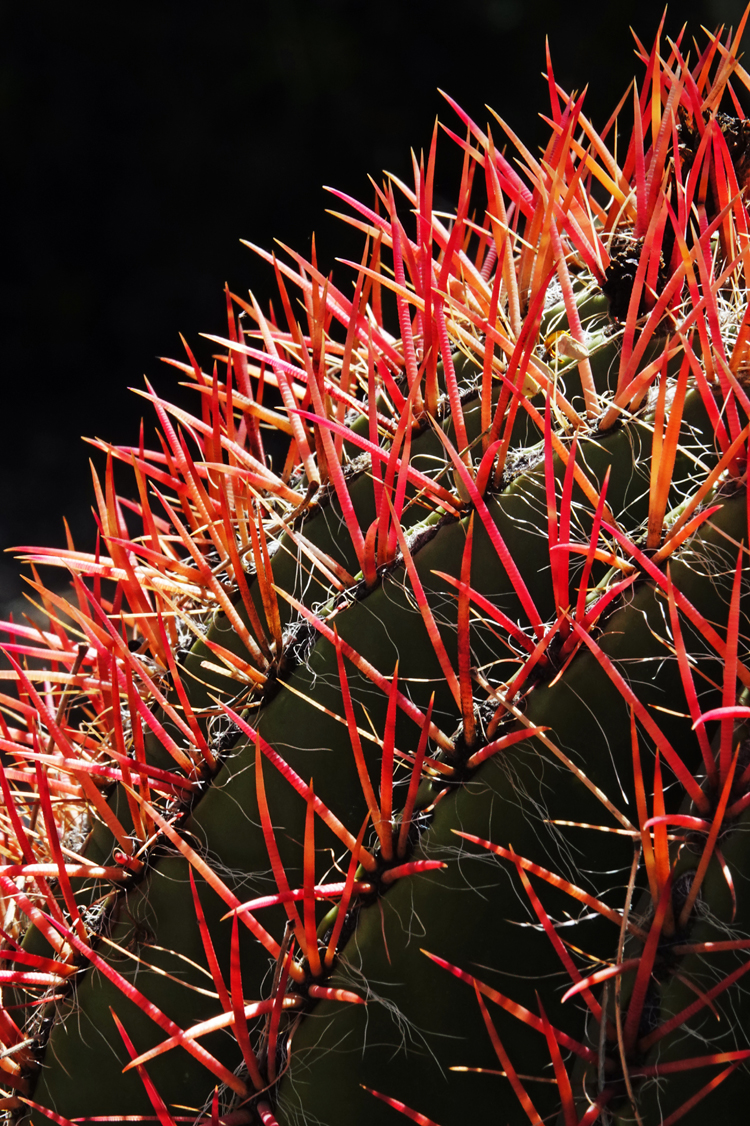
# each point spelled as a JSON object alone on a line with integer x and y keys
{"x": 389, "y": 757}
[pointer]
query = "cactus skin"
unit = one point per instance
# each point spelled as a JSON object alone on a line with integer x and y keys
{"x": 452, "y": 693}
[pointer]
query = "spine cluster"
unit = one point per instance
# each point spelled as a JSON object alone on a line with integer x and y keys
{"x": 388, "y": 756}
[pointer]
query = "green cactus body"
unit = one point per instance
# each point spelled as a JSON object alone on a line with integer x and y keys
{"x": 413, "y": 766}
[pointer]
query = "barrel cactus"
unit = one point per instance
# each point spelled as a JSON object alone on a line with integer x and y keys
{"x": 388, "y": 757}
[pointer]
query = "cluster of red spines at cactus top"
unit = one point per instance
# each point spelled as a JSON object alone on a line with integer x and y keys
{"x": 210, "y": 501}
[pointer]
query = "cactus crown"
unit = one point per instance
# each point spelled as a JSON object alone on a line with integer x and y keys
{"x": 393, "y": 733}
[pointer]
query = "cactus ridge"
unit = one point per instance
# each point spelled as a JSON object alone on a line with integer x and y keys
{"x": 389, "y": 756}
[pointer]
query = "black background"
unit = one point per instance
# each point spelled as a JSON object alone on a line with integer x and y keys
{"x": 140, "y": 142}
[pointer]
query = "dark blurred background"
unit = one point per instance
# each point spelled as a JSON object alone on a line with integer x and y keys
{"x": 142, "y": 141}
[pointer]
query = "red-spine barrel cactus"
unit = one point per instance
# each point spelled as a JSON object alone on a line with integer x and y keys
{"x": 399, "y": 766}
